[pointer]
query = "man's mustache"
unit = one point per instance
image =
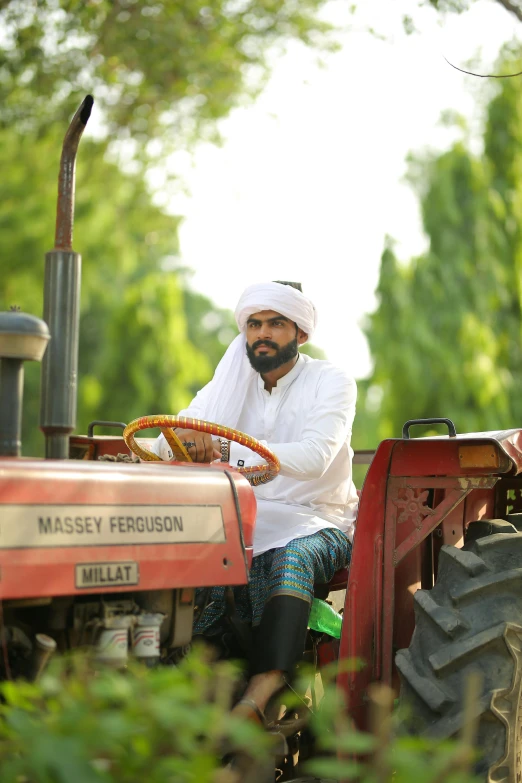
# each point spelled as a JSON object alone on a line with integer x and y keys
{"x": 268, "y": 343}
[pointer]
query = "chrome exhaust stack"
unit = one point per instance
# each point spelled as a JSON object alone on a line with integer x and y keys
{"x": 62, "y": 305}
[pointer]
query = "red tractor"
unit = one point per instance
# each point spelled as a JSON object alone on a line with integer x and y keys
{"x": 435, "y": 586}
{"x": 92, "y": 551}
{"x": 97, "y": 548}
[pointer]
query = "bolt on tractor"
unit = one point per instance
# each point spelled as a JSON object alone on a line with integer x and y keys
{"x": 103, "y": 545}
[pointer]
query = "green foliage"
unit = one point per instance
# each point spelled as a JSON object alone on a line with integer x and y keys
{"x": 386, "y": 755}
{"x": 158, "y": 68}
{"x": 405, "y": 759}
{"x": 457, "y": 6}
{"x": 161, "y": 72}
{"x": 312, "y": 350}
{"x": 164, "y": 725}
{"x": 446, "y": 337}
{"x": 172, "y": 725}
{"x": 211, "y": 328}
{"x": 147, "y": 342}
{"x": 137, "y": 352}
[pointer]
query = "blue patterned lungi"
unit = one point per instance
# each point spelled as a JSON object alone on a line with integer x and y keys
{"x": 291, "y": 570}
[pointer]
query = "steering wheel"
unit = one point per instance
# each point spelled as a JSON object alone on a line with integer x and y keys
{"x": 255, "y": 474}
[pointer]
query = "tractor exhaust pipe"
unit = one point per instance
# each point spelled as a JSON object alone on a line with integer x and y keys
{"x": 62, "y": 305}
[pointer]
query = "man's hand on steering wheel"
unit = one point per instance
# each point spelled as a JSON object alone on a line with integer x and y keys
{"x": 201, "y": 446}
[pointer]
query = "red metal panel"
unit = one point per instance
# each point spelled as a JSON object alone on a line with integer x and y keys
{"x": 404, "y": 532}
{"x": 84, "y": 448}
{"x": 407, "y": 580}
{"x": 412, "y": 487}
{"x": 451, "y": 501}
{"x": 377, "y": 609}
{"x": 363, "y": 598}
{"x": 453, "y": 527}
{"x": 479, "y": 505}
{"x": 34, "y": 572}
{"x": 388, "y": 605}
{"x": 327, "y": 652}
{"x": 454, "y": 490}
{"x": 433, "y": 457}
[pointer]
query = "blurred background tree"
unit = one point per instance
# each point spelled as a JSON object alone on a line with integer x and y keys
{"x": 162, "y": 74}
{"x": 446, "y": 336}
{"x": 459, "y": 6}
{"x": 160, "y": 70}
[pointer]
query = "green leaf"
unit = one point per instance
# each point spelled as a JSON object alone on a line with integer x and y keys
{"x": 333, "y": 768}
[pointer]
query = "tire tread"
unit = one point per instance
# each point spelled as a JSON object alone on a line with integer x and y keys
{"x": 470, "y": 621}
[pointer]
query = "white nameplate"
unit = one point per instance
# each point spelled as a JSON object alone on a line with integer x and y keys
{"x": 34, "y": 526}
{"x": 107, "y": 574}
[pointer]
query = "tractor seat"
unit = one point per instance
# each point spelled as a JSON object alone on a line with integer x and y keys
{"x": 338, "y": 582}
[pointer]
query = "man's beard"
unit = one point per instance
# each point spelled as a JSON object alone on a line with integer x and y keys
{"x": 263, "y": 364}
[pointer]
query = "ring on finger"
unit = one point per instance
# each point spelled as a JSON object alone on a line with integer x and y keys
{"x": 189, "y": 444}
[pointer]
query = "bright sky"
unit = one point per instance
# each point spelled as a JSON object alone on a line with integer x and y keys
{"x": 309, "y": 179}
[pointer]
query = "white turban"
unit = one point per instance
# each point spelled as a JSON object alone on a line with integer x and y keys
{"x": 282, "y": 299}
{"x": 222, "y": 399}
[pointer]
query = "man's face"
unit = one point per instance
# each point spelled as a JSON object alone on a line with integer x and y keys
{"x": 272, "y": 340}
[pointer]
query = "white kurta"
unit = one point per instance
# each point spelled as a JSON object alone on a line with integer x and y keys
{"x": 307, "y": 422}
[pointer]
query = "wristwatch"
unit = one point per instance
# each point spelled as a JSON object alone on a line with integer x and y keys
{"x": 225, "y": 449}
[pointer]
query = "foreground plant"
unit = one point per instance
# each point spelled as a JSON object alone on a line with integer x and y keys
{"x": 173, "y": 725}
{"x": 166, "y": 724}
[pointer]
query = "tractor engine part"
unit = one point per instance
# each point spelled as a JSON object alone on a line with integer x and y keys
{"x": 93, "y": 528}
{"x": 100, "y": 553}
{"x": 22, "y": 338}
{"x": 15, "y": 652}
{"x": 43, "y": 650}
{"x": 62, "y": 305}
{"x": 112, "y": 646}
{"x": 22, "y": 657}
{"x": 146, "y": 638}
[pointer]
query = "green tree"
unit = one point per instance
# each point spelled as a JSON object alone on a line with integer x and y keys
{"x": 211, "y": 328}
{"x": 446, "y": 335}
{"x": 459, "y": 6}
{"x": 161, "y": 72}
{"x": 136, "y": 353}
{"x": 158, "y": 68}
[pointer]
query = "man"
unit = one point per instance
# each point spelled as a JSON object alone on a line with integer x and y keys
{"x": 303, "y": 410}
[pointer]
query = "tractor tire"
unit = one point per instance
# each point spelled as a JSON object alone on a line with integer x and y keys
{"x": 471, "y": 621}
